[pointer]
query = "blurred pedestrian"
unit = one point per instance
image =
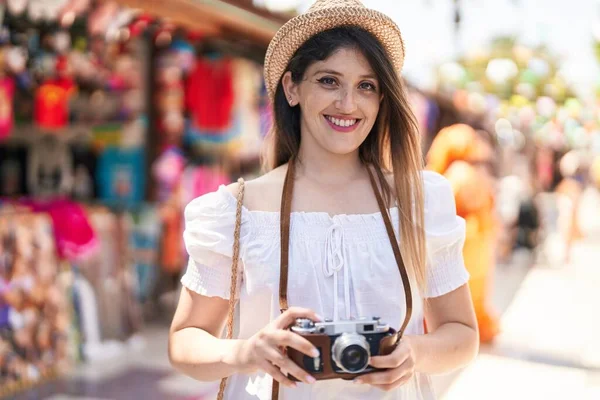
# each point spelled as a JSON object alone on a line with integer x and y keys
{"x": 569, "y": 191}
{"x": 466, "y": 159}
{"x": 317, "y": 232}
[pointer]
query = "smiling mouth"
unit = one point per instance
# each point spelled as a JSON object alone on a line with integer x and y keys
{"x": 342, "y": 123}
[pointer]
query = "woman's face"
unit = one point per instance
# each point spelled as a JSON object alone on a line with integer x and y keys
{"x": 339, "y": 99}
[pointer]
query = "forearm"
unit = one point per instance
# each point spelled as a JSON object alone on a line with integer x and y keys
{"x": 451, "y": 346}
{"x": 202, "y": 356}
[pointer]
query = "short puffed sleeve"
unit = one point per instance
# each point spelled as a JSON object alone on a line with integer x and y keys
{"x": 208, "y": 236}
{"x": 445, "y": 236}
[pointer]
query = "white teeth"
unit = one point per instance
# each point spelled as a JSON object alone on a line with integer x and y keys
{"x": 342, "y": 122}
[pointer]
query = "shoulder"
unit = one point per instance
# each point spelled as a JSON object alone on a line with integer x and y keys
{"x": 433, "y": 183}
{"x": 439, "y": 203}
{"x": 264, "y": 192}
{"x": 213, "y": 204}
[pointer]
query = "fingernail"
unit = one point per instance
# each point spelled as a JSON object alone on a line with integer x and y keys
{"x": 310, "y": 379}
{"x": 293, "y": 385}
{"x": 319, "y": 318}
{"x": 358, "y": 381}
{"x": 314, "y": 353}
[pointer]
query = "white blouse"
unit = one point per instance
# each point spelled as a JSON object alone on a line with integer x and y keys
{"x": 340, "y": 266}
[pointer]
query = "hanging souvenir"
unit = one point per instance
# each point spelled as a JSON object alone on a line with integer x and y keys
{"x": 72, "y": 10}
{"x": 167, "y": 171}
{"x": 120, "y": 175}
{"x": 185, "y": 54}
{"x": 100, "y": 18}
{"x": 7, "y": 91}
{"x": 84, "y": 171}
{"x": 45, "y": 10}
{"x": 52, "y": 98}
{"x": 16, "y": 59}
{"x": 62, "y": 42}
{"x": 145, "y": 236}
{"x": 13, "y": 170}
{"x": 16, "y": 7}
{"x": 50, "y": 173}
{"x": 210, "y": 95}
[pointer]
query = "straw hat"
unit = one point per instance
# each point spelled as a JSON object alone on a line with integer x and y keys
{"x": 324, "y": 15}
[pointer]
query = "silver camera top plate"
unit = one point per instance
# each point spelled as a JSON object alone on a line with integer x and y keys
{"x": 361, "y": 326}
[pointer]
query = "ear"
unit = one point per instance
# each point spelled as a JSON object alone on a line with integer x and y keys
{"x": 290, "y": 89}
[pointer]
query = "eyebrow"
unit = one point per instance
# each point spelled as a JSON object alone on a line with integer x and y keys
{"x": 332, "y": 72}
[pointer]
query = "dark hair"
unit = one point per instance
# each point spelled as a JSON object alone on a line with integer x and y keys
{"x": 393, "y": 143}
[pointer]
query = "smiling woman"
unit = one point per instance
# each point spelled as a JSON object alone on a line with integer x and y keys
{"x": 336, "y": 98}
{"x": 320, "y": 232}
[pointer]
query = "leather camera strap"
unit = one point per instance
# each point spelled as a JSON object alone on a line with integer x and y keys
{"x": 397, "y": 254}
{"x": 286, "y": 208}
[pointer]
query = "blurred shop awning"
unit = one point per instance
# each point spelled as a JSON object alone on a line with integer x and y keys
{"x": 217, "y": 18}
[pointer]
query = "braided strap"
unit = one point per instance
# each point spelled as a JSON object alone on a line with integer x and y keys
{"x": 234, "y": 273}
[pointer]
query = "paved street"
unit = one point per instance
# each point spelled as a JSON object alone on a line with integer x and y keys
{"x": 549, "y": 346}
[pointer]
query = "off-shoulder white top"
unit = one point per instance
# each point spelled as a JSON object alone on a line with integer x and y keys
{"x": 341, "y": 266}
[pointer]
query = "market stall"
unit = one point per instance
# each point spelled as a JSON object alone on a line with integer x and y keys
{"x": 113, "y": 115}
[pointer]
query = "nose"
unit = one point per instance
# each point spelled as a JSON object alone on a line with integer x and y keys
{"x": 346, "y": 103}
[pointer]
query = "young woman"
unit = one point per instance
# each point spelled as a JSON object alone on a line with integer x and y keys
{"x": 341, "y": 119}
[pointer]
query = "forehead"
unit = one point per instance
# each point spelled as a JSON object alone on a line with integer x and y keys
{"x": 348, "y": 62}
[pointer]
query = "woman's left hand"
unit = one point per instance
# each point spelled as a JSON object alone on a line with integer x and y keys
{"x": 400, "y": 368}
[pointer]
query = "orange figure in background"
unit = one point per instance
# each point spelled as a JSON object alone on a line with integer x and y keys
{"x": 595, "y": 171}
{"x": 462, "y": 156}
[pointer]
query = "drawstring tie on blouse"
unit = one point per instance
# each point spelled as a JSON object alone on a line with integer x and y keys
{"x": 333, "y": 263}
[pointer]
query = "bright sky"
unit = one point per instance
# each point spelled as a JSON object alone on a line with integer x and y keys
{"x": 427, "y": 25}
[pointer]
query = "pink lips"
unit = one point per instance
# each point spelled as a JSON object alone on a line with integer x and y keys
{"x": 342, "y": 128}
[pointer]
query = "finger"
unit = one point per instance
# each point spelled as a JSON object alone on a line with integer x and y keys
{"x": 378, "y": 378}
{"x": 276, "y": 374}
{"x": 287, "y": 365}
{"x": 402, "y": 381}
{"x": 396, "y": 359}
{"x": 382, "y": 378}
{"x": 289, "y": 316}
{"x": 283, "y": 338}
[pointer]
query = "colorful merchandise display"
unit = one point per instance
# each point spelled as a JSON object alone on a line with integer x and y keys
{"x": 38, "y": 329}
{"x": 111, "y": 122}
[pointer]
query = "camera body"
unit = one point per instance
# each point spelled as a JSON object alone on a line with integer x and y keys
{"x": 345, "y": 347}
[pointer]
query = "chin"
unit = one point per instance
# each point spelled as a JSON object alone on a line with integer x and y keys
{"x": 342, "y": 150}
{"x": 343, "y": 145}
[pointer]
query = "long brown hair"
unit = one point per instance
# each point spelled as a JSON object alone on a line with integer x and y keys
{"x": 392, "y": 145}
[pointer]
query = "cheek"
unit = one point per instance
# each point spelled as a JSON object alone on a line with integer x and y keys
{"x": 371, "y": 110}
{"x": 317, "y": 101}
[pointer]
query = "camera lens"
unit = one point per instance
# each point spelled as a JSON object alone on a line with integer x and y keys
{"x": 350, "y": 352}
{"x": 355, "y": 358}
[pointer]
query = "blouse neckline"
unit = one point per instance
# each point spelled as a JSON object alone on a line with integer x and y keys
{"x": 315, "y": 215}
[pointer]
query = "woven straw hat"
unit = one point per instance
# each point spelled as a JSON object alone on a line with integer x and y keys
{"x": 324, "y": 15}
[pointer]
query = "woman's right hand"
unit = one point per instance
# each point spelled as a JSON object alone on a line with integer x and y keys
{"x": 265, "y": 350}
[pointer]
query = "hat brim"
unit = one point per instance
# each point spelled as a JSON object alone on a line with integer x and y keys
{"x": 299, "y": 29}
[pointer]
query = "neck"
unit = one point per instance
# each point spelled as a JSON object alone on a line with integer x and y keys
{"x": 321, "y": 166}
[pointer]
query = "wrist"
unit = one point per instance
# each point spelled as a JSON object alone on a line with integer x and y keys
{"x": 236, "y": 356}
{"x": 416, "y": 353}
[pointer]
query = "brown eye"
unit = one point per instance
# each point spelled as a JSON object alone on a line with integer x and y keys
{"x": 327, "y": 81}
{"x": 368, "y": 86}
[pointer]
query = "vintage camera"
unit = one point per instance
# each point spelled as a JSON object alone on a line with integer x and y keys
{"x": 344, "y": 346}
